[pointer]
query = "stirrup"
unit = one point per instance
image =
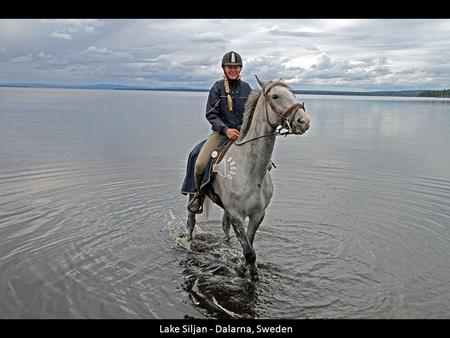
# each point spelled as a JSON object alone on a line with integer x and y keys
{"x": 200, "y": 208}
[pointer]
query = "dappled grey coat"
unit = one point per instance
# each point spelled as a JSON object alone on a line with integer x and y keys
{"x": 217, "y": 112}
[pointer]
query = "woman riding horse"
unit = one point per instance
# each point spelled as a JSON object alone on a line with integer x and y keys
{"x": 246, "y": 189}
{"x": 225, "y": 111}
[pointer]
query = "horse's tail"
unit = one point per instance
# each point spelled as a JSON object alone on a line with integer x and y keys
{"x": 207, "y": 205}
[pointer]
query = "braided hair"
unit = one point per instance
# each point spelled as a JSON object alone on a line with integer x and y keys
{"x": 227, "y": 90}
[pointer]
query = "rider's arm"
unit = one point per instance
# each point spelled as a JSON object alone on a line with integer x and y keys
{"x": 213, "y": 110}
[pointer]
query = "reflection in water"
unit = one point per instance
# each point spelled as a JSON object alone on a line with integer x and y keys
{"x": 215, "y": 276}
{"x": 218, "y": 289}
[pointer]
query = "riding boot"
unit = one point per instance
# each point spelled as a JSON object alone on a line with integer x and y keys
{"x": 196, "y": 205}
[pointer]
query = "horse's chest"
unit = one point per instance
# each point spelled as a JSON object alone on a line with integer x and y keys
{"x": 256, "y": 196}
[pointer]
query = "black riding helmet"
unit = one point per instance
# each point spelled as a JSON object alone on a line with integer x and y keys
{"x": 231, "y": 59}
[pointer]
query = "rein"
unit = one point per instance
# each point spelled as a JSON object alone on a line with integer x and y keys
{"x": 283, "y": 114}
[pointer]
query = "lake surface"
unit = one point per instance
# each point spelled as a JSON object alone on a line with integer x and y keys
{"x": 92, "y": 219}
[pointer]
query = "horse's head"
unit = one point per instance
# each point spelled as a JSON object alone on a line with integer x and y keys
{"x": 284, "y": 109}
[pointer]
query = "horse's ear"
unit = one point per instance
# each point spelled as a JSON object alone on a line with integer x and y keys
{"x": 261, "y": 83}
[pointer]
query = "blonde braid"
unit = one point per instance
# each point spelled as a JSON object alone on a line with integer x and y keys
{"x": 227, "y": 90}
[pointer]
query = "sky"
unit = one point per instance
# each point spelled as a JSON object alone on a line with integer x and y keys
{"x": 309, "y": 54}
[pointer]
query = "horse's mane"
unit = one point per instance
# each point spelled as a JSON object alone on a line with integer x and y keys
{"x": 250, "y": 106}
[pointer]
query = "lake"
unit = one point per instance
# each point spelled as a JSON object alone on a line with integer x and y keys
{"x": 92, "y": 218}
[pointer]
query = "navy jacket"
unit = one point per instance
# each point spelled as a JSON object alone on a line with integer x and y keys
{"x": 217, "y": 112}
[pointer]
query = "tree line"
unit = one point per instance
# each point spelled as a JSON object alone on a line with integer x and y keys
{"x": 435, "y": 93}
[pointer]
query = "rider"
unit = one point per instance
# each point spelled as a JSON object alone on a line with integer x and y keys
{"x": 225, "y": 111}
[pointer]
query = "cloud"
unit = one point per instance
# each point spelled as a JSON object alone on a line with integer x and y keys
{"x": 89, "y": 29}
{"x": 209, "y": 37}
{"x": 308, "y": 53}
{"x": 73, "y": 22}
{"x": 62, "y": 35}
{"x": 285, "y": 32}
{"x": 22, "y": 59}
{"x": 66, "y": 29}
{"x": 44, "y": 56}
{"x": 96, "y": 50}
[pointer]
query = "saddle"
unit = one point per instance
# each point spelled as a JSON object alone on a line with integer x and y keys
{"x": 220, "y": 154}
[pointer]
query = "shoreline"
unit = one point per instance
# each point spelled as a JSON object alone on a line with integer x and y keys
{"x": 401, "y": 93}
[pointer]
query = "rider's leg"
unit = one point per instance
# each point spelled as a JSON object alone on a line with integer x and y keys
{"x": 210, "y": 145}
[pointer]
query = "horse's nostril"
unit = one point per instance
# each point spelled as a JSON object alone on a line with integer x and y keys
{"x": 300, "y": 120}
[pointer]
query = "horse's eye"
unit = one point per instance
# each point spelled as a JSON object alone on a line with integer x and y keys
{"x": 274, "y": 96}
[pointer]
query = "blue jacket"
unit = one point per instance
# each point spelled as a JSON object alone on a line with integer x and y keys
{"x": 217, "y": 112}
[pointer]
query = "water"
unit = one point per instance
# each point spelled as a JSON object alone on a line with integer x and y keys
{"x": 92, "y": 221}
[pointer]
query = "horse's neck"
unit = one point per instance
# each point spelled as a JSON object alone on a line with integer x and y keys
{"x": 259, "y": 151}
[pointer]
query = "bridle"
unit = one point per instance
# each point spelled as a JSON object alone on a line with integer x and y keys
{"x": 283, "y": 114}
{"x": 277, "y": 130}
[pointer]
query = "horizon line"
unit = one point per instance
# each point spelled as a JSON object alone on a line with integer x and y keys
{"x": 194, "y": 89}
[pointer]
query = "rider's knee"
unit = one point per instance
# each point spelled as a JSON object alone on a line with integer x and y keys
{"x": 199, "y": 168}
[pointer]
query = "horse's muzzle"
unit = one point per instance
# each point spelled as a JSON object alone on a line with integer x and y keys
{"x": 302, "y": 125}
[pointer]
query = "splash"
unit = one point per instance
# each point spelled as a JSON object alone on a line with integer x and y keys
{"x": 178, "y": 234}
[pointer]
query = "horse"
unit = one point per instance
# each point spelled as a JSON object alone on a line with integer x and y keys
{"x": 245, "y": 188}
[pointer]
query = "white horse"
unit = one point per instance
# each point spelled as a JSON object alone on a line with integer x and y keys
{"x": 245, "y": 188}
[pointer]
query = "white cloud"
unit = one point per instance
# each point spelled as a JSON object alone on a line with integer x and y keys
{"x": 289, "y": 32}
{"x": 22, "y": 59}
{"x": 62, "y": 35}
{"x": 89, "y": 29}
{"x": 308, "y": 53}
{"x": 209, "y": 37}
{"x": 96, "y": 50}
{"x": 67, "y": 28}
{"x": 44, "y": 56}
{"x": 303, "y": 61}
{"x": 73, "y": 22}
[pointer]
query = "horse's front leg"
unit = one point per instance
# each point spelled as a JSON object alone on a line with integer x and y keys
{"x": 249, "y": 253}
{"x": 254, "y": 221}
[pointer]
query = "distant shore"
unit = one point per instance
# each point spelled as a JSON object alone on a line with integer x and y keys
{"x": 402, "y": 93}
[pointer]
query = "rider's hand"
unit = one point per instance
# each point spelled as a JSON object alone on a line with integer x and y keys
{"x": 232, "y": 134}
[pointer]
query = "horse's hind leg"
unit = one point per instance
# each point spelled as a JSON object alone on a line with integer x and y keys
{"x": 190, "y": 224}
{"x": 226, "y": 225}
